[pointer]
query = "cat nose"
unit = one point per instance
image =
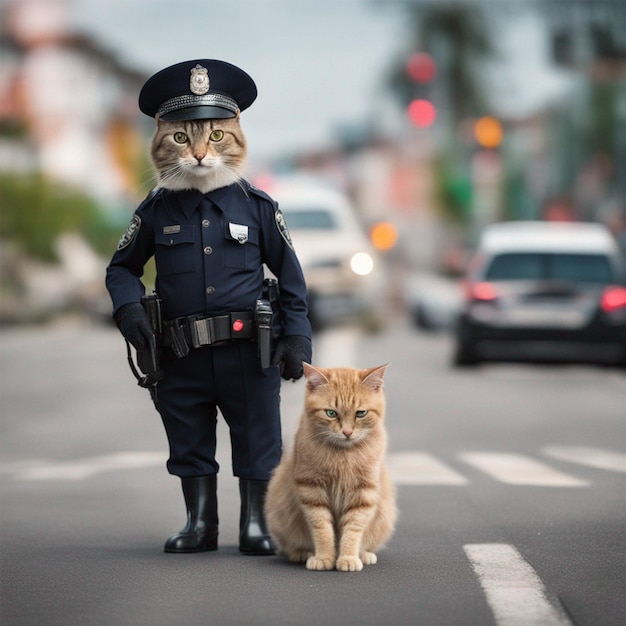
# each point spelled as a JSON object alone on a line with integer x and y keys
{"x": 199, "y": 157}
{"x": 347, "y": 433}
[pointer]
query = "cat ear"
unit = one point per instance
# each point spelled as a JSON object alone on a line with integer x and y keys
{"x": 314, "y": 377}
{"x": 374, "y": 377}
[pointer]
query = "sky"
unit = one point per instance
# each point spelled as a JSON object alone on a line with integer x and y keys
{"x": 319, "y": 65}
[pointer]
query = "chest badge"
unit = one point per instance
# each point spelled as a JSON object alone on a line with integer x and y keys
{"x": 238, "y": 232}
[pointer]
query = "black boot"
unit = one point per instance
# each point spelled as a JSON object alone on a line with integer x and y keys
{"x": 200, "y": 533}
{"x": 253, "y": 535}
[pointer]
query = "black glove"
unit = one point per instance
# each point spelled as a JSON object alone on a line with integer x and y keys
{"x": 134, "y": 324}
{"x": 289, "y": 353}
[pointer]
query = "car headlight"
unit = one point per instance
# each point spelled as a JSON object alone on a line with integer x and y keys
{"x": 362, "y": 263}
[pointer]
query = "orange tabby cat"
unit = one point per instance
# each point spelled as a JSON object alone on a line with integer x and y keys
{"x": 330, "y": 501}
{"x": 198, "y": 154}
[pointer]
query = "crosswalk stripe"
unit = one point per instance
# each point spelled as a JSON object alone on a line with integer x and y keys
{"x": 517, "y": 469}
{"x": 591, "y": 457}
{"x": 418, "y": 468}
{"x": 80, "y": 469}
{"x": 514, "y": 591}
{"x": 407, "y": 468}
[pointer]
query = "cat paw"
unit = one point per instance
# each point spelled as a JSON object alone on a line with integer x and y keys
{"x": 368, "y": 558}
{"x": 349, "y": 564}
{"x": 315, "y": 563}
{"x": 300, "y": 556}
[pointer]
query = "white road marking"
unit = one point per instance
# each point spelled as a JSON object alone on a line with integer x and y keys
{"x": 81, "y": 469}
{"x": 514, "y": 591}
{"x": 591, "y": 457}
{"x": 419, "y": 468}
{"x": 407, "y": 468}
{"x": 516, "y": 469}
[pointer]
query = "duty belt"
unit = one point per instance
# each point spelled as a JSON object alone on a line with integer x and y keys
{"x": 208, "y": 330}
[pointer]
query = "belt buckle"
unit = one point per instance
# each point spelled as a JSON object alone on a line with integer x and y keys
{"x": 201, "y": 331}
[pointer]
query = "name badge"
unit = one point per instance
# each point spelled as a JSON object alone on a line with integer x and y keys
{"x": 238, "y": 232}
{"x": 170, "y": 230}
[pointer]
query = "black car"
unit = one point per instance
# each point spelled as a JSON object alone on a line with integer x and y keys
{"x": 544, "y": 291}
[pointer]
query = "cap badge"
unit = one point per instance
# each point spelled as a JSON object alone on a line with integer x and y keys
{"x": 199, "y": 81}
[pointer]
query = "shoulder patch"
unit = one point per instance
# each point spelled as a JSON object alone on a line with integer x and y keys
{"x": 131, "y": 232}
{"x": 282, "y": 227}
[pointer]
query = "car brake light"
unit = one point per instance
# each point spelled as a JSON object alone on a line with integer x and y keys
{"x": 484, "y": 292}
{"x": 613, "y": 298}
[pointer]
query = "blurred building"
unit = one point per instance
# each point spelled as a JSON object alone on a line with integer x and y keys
{"x": 67, "y": 105}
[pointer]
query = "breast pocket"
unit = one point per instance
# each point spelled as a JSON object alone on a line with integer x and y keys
{"x": 239, "y": 253}
{"x": 174, "y": 251}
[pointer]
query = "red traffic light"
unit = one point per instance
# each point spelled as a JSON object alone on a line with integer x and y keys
{"x": 421, "y": 68}
{"x": 422, "y": 113}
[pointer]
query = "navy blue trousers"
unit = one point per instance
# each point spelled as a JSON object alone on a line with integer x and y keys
{"x": 229, "y": 379}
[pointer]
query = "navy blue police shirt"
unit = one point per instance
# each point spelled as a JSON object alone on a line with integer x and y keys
{"x": 209, "y": 251}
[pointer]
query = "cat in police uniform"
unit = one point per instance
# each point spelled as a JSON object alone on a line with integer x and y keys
{"x": 211, "y": 233}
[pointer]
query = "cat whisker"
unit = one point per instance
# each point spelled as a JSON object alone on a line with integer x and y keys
{"x": 228, "y": 174}
{"x": 236, "y": 178}
{"x": 172, "y": 177}
{"x": 241, "y": 185}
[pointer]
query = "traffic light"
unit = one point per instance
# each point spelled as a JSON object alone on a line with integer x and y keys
{"x": 421, "y": 70}
{"x": 422, "y": 113}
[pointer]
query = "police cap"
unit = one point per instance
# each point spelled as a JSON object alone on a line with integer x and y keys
{"x": 198, "y": 89}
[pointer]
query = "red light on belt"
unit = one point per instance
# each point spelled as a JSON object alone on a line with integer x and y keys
{"x": 238, "y": 325}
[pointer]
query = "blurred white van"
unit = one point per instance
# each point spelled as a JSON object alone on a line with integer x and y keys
{"x": 342, "y": 269}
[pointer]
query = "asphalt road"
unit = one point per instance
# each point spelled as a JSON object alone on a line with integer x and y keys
{"x": 510, "y": 488}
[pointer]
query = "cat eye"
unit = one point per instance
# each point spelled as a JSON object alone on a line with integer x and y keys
{"x": 216, "y": 135}
{"x": 362, "y": 413}
{"x": 331, "y": 413}
{"x": 180, "y": 137}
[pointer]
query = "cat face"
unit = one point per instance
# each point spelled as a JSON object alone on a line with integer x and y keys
{"x": 198, "y": 154}
{"x": 344, "y": 405}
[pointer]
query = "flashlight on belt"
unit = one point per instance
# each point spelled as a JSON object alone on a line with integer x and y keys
{"x": 263, "y": 319}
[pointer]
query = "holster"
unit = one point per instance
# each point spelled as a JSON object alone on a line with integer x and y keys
{"x": 148, "y": 359}
{"x": 263, "y": 320}
{"x": 271, "y": 291}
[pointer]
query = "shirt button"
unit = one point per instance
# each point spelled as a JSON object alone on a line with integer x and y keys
{"x": 206, "y": 223}
{"x": 210, "y": 290}
{"x": 208, "y": 250}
